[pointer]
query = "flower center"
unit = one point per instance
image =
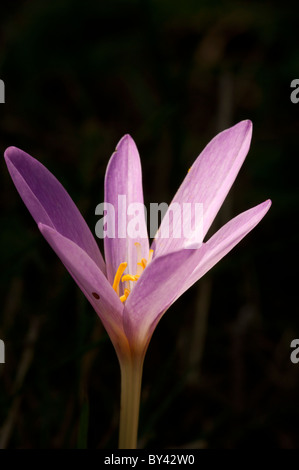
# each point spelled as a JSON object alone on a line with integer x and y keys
{"x": 119, "y": 277}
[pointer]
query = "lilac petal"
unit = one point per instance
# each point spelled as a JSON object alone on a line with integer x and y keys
{"x": 209, "y": 179}
{"x": 49, "y": 203}
{"x": 124, "y": 177}
{"x": 223, "y": 241}
{"x": 168, "y": 276}
{"x": 90, "y": 279}
{"x": 154, "y": 293}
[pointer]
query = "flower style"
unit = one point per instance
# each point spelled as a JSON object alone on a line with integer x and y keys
{"x": 136, "y": 284}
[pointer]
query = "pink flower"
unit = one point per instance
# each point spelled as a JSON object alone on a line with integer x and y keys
{"x": 155, "y": 276}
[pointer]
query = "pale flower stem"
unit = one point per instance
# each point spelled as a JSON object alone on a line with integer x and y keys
{"x": 131, "y": 376}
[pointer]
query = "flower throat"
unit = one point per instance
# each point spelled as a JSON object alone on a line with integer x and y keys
{"x": 142, "y": 263}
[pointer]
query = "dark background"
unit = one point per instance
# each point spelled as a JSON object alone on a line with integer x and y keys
{"x": 78, "y": 76}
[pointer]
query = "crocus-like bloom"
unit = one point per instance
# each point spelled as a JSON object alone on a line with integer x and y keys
{"x": 136, "y": 284}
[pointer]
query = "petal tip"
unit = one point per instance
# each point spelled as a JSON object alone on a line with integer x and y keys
{"x": 245, "y": 125}
{"x": 126, "y": 139}
{"x": 248, "y": 122}
{"x": 267, "y": 204}
{"x": 42, "y": 227}
{"x": 9, "y": 152}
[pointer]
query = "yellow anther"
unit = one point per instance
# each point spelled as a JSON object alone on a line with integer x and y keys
{"x": 128, "y": 277}
{"x": 118, "y": 276}
{"x": 138, "y": 247}
{"x": 142, "y": 263}
{"x": 150, "y": 256}
{"x": 124, "y": 297}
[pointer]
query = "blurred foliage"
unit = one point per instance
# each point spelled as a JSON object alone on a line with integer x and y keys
{"x": 78, "y": 76}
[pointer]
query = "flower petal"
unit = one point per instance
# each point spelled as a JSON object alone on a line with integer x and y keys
{"x": 124, "y": 178}
{"x": 154, "y": 292}
{"x": 49, "y": 203}
{"x": 168, "y": 276}
{"x": 209, "y": 180}
{"x": 224, "y": 240}
{"x": 90, "y": 279}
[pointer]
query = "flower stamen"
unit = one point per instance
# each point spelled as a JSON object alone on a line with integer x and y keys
{"x": 124, "y": 297}
{"x": 150, "y": 256}
{"x": 118, "y": 276}
{"x": 141, "y": 265}
{"x": 129, "y": 277}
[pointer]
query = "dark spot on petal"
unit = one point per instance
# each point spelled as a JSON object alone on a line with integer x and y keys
{"x": 96, "y": 296}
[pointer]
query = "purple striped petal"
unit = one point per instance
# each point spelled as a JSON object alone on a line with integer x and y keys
{"x": 124, "y": 178}
{"x": 168, "y": 276}
{"x": 224, "y": 240}
{"x": 49, "y": 203}
{"x": 209, "y": 180}
{"x": 154, "y": 293}
{"x": 90, "y": 279}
